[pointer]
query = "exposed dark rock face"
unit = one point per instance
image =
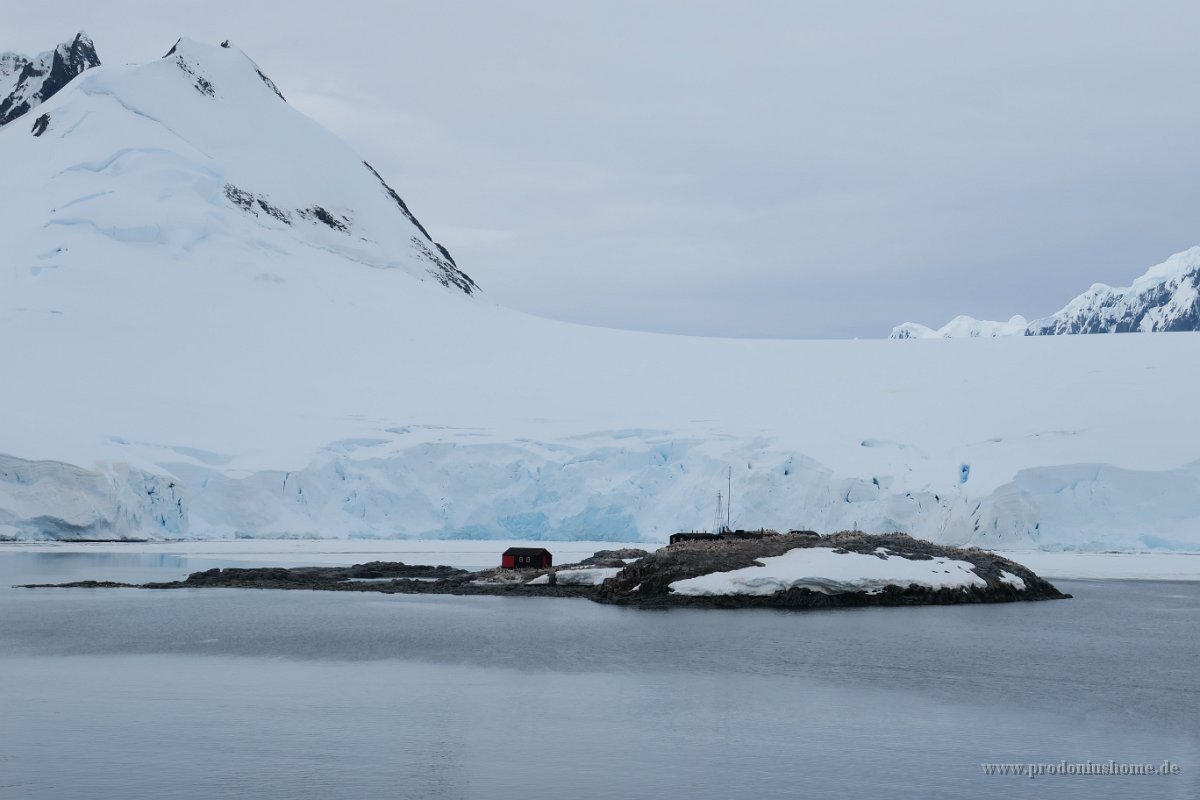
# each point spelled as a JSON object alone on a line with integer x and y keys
{"x": 1170, "y": 306}
{"x": 202, "y": 84}
{"x": 398, "y": 201}
{"x": 40, "y": 125}
{"x": 321, "y": 215}
{"x": 207, "y": 88}
{"x": 441, "y": 264}
{"x": 443, "y": 270}
{"x": 254, "y": 203}
{"x": 613, "y": 558}
{"x": 312, "y": 577}
{"x": 40, "y": 79}
{"x": 240, "y": 198}
{"x": 270, "y": 83}
{"x": 445, "y": 254}
{"x": 274, "y": 211}
{"x": 443, "y": 267}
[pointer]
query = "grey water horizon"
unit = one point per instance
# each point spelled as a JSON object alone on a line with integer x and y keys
{"x": 233, "y": 693}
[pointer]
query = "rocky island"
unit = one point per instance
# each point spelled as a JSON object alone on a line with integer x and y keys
{"x": 795, "y": 571}
{"x": 841, "y": 570}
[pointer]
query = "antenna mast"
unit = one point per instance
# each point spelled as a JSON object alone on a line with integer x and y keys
{"x": 718, "y": 527}
{"x": 729, "y": 498}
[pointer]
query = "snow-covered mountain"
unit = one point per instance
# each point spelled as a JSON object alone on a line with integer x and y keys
{"x": 26, "y": 83}
{"x": 961, "y": 327}
{"x": 198, "y": 154}
{"x": 219, "y": 321}
{"x": 1165, "y": 298}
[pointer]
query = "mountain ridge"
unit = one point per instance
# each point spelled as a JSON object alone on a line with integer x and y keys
{"x": 26, "y": 83}
{"x": 1166, "y": 298}
{"x": 206, "y": 134}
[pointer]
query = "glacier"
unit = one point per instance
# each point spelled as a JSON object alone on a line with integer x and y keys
{"x": 220, "y": 322}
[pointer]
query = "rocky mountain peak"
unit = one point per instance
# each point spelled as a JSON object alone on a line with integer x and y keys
{"x": 78, "y": 55}
{"x": 1165, "y": 299}
{"x": 26, "y": 83}
{"x": 11, "y": 63}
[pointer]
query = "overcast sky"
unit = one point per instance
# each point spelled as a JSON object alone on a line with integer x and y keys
{"x": 786, "y": 169}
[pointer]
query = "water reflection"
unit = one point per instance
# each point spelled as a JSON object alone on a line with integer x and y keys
{"x": 71, "y": 565}
{"x": 228, "y": 693}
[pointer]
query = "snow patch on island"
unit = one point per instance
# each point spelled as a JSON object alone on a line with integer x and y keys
{"x": 826, "y": 570}
{"x": 1012, "y": 580}
{"x": 593, "y": 576}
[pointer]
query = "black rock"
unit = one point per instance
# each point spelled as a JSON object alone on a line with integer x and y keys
{"x": 39, "y": 80}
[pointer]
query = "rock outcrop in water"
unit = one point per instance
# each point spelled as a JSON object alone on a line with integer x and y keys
{"x": 793, "y": 572}
{"x": 970, "y": 575}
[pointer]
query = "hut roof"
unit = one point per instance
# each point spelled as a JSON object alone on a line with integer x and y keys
{"x": 525, "y": 551}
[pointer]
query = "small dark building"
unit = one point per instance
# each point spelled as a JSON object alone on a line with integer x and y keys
{"x": 761, "y": 533}
{"x": 692, "y": 536}
{"x": 526, "y": 558}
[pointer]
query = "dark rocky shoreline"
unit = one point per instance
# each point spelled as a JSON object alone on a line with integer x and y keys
{"x": 646, "y": 581}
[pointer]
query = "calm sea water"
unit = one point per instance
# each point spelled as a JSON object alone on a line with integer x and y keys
{"x": 231, "y": 693}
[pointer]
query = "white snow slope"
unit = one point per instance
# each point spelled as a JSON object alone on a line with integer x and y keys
{"x": 178, "y": 366}
{"x": 826, "y": 570}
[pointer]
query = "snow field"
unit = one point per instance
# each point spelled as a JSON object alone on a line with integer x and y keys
{"x": 823, "y": 569}
{"x": 186, "y": 368}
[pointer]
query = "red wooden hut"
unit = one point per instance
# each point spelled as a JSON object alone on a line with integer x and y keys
{"x": 526, "y": 558}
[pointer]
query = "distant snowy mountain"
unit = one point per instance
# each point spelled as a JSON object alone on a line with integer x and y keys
{"x": 1166, "y": 298}
{"x": 961, "y": 327}
{"x": 218, "y": 321}
{"x": 26, "y": 83}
